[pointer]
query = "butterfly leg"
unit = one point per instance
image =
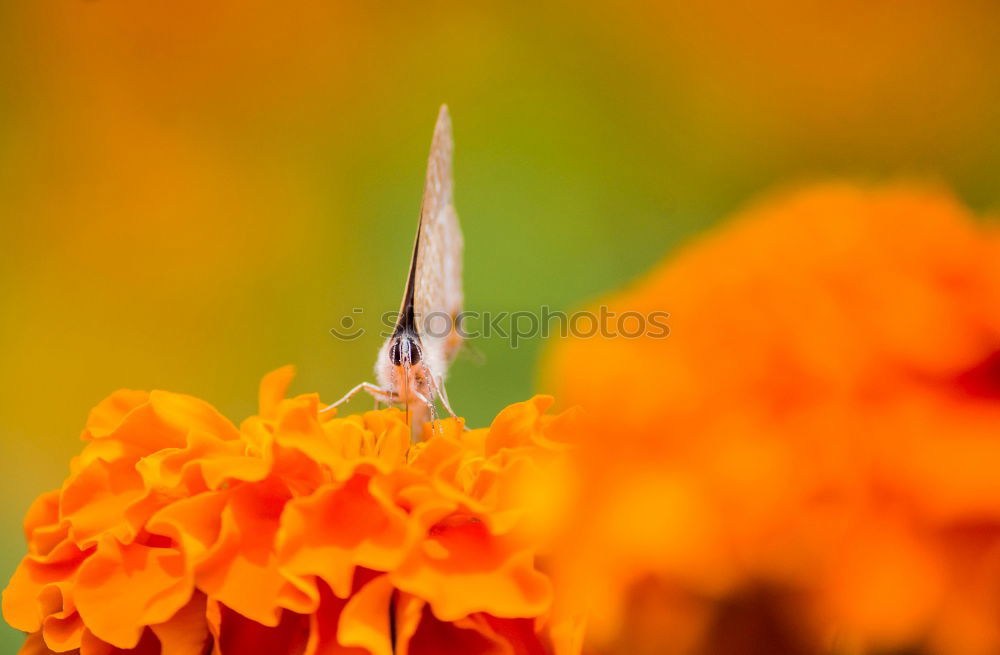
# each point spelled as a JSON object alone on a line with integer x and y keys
{"x": 378, "y": 392}
{"x": 443, "y": 395}
{"x": 429, "y": 404}
{"x": 422, "y": 412}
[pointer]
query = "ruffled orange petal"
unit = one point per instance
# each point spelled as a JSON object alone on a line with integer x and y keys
{"x": 240, "y": 569}
{"x": 364, "y": 621}
{"x": 123, "y": 588}
{"x": 186, "y": 632}
{"x": 37, "y": 587}
{"x": 189, "y": 414}
{"x": 518, "y": 425}
{"x": 106, "y": 416}
{"x": 339, "y": 528}
{"x": 297, "y": 427}
{"x": 40, "y": 523}
{"x": 63, "y": 630}
{"x": 273, "y": 388}
{"x": 95, "y": 499}
{"x": 192, "y": 523}
{"x": 183, "y": 470}
{"x": 34, "y": 645}
{"x": 461, "y": 569}
{"x": 323, "y": 626}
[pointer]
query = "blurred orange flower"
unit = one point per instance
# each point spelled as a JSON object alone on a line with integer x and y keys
{"x": 809, "y": 460}
{"x": 297, "y": 532}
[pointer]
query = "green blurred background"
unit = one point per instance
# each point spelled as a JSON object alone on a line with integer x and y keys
{"x": 195, "y": 192}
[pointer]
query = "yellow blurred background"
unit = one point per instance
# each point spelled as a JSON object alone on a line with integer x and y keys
{"x": 194, "y": 193}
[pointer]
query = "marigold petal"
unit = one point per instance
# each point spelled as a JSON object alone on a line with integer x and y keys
{"x": 205, "y": 462}
{"x": 451, "y": 428}
{"x": 462, "y": 568}
{"x": 192, "y": 523}
{"x": 106, "y": 416}
{"x": 123, "y": 588}
{"x": 42, "y": 513}
{"x": 517, "y": 425}
{"x": 36, "y": 588}
{"x": 323, "y": 625}
{"x": 140, "y": 432}
{"x": 273, "y": 389}
{"x": 186, "y": 632}
{"x": 95, "y": 499}
{"x": 339, "y": 528}
{"x": 63, "y": 633}
{"x": 213, "y": 617}
{"x": 391, "y": 438}
{"x": 240, "y": 569}
{"x": 35, "y": 645}
{"x": 439, "y": 457}
{"x": 189, "y": 414}
{"x": 364, "y": 621}
{"x": 298, "y": 427}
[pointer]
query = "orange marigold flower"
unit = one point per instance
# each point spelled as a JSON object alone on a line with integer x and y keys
{"x": 809, "y": 460}
{"x": 295, "y": 533}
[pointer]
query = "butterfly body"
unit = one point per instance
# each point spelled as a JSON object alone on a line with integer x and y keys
{"x": 412, "y": 364}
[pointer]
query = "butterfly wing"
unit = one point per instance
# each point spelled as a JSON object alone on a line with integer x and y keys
{"x": 436, "y": 275}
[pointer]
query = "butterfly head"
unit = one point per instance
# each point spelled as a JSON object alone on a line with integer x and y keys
{"x": 404, "y": 348}
{"x": 402, "y": 370}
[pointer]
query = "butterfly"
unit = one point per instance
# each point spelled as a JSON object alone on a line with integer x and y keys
{"x": 413, "y": 362}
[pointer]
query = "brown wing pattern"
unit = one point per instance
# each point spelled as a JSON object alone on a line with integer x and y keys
{"x": 437, "y": 278}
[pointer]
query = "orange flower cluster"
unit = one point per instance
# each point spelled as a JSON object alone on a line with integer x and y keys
{"x": 296, "y": 533}
{"x": 810, "y": 462}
